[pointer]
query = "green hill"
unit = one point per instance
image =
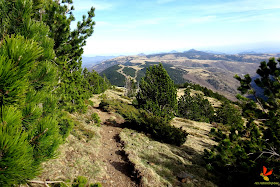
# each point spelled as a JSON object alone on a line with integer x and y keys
{"x": 138, "y": 70}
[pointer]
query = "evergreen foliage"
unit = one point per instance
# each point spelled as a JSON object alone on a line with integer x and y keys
{"x": 224, "y": 115}
{"x": 39, "y": 68}
{"x": 114, "y": 77}
{"x": 207, "y": 92}
{"x": 69, "y": 49}
{"x": 28, "y": 111}
{"x": 129, "y": 71}
{"x": 140, "y": 120}
{"x": 131, "y": 87}
{"x": 158, "y": 94}
{"x": 195, "y": 107}
{"x": 94, "y": 83}
{"x": 244, "y": 150}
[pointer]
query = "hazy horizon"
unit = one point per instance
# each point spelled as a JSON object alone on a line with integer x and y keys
{"x": 131, "y": 27}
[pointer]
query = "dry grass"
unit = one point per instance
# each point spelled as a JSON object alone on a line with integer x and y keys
{"x": 78, "y": 155}
{"x": 160, "y": 163}
{"x": 111, "y": 94}
{"x": 198, "y": 137}
{"x": 214, "y": 102}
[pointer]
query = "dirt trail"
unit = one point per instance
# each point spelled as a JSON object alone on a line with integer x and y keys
{"x": 118, "y": 171}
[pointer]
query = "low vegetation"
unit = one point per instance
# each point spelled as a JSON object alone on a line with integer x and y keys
{"x": 245, "y": 149}
{"x": 195, "y": 107}
{"x": 140, "y": 120}
{"x": 161, "y": 164}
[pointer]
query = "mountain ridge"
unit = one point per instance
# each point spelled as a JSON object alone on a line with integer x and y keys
{"x": 214, "y": 71}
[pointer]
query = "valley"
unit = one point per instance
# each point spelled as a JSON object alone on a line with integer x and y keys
{"x": 214, "y": 71}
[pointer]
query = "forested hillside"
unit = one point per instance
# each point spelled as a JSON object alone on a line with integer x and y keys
{"x": 137, "y": 71}
{"x": 214, "y": 71}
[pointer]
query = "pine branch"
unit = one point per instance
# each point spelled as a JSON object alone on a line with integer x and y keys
{"x": 38, "y": 136}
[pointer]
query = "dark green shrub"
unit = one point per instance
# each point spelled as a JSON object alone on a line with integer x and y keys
{"x": 195, "y": 107}
{"x": 159, "y": 128}
{"x": 96, "y": 185}
{"x": 80, "y": 181}
{"x": 245, "y": 149}
{"x": 96, "y": 118}
{"x": 228, "y": 114}
{"x": 65, "y": 125}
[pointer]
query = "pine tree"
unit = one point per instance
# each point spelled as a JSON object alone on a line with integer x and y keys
{"x": 246, "y": 149}
{"x": 69, "y": 49}
{"x": 130, "y": 86}
{"x": 224, "y": 115}
{"x": 195, "y": 107}
{"x": 31, "y": 128}
{"x": 94, "y": 83}
{"x": 158, "y": 94}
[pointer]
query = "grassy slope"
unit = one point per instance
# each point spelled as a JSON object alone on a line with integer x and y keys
{"x": 158, "y": 163}
{"x": 79, "y": 154}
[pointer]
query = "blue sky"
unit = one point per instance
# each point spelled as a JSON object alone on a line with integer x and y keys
{"x": 125, "y": 27}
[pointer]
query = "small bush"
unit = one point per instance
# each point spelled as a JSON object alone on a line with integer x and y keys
{"x": 96, "y": 118}
{"x": 161, "y": 129}
{"x": 228, "y": 114}
{"x": 96, "y": 185}
{"x": 80, "y": 182}
{"x": 80, "y": 132}
{"x": 195, "y": 107}
{"x": 103, "y": 96}
{"x": 90, "y": 102}
{"x": 65, "y": 125}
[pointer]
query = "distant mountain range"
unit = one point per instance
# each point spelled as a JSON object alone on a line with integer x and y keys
{"x": 88, "y": 62}
{"x": 214, "y": 71}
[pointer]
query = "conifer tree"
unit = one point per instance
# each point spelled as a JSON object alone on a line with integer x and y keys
{"x": 224, "y": 115}
{"x": 130, "y": 86}
{"x": 31, "y": 124}
{"x": 158, "y": 94}
{"x": 246, "y": 149}
{"x": 69, "y": 49}
{"x": 94, "y": 83}
{"x": 195, "y": 107}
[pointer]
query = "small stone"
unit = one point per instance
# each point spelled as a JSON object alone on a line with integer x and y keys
{"x": 184, "y": 177}
{"x": 150, "y": 147}
{"x": 110, "y": 131}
